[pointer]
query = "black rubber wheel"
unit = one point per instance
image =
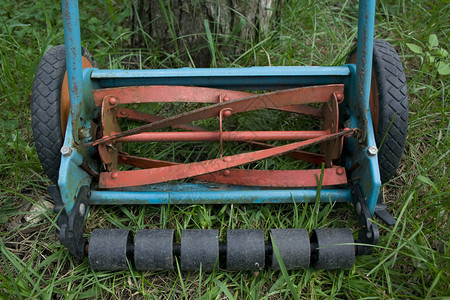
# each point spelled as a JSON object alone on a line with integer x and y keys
{"x": 110, "y": 249}
{"x": 389, "y": 105}
{"x": 245, "y": 249}
{"x": 153, "y": 249}
{"x": 294, "y": 247}
{"x": 199, "y": 248}
{"x": 46, "y": 116}
{"x": 334, "y": 248}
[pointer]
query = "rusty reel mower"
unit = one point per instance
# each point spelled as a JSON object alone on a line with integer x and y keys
{"x": 94, "y": 169}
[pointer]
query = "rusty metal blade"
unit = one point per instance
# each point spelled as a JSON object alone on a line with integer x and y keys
{"x": 228, "y": 136}
{"x": 164, "y": 174}
{"x": 303, "y": 109}
{"x": 143, "y": 163}
{"x": 277, "y": 178}
{"x": 193, "y": 94}
{"x": 163, "y": 93}
{"x": 134, "y": 115}
{"x": 314, "y": 94}
{"x": 310, "y": 157}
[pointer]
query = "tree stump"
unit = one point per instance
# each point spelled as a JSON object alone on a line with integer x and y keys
{"x": 200, "y": 33}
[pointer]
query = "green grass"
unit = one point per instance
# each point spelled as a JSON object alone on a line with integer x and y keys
{"x": 411, "y": 259}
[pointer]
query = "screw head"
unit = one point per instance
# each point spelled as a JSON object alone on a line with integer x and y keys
{"x": 114, "y": 175}
{"x": 339, "y": 97}
{"x": 227, "y": 113}
{"x": 340, "y": 171}
{"x": 226, "y": 159}
{"x": 113, "y": 101}
{"x": 226, "y": 99}
{"x": 372, "y": 150}
{"x": 226, "y": 172}
{"x": 66, "y": 151}
{"x": 82, "y": 209}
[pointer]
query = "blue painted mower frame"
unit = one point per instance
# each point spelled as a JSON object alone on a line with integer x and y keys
{"x": 356, "y": 79}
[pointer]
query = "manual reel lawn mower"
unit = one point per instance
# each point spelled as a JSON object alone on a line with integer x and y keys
{"x": 78, "y": 112}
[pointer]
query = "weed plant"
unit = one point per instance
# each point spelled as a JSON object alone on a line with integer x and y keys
{"x": 411, "y": 260}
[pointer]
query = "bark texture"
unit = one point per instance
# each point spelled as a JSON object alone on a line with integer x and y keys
{"x": 199, "y": 32}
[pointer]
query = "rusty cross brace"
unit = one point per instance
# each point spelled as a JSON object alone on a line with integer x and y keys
{"x": 175, "y": 172}
{"x": 314, "y": 94}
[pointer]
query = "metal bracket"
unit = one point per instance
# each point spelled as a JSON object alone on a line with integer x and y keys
{"x": 382, "y": 213}
{"x": 368, "y": 234}
{"x": 71, "y": 226}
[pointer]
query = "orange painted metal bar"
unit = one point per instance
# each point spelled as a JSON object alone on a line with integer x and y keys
{"x": 303, "y": 109}
{"x": 275, "y": 178}
{"x": 228, "y": 136}
{"x": 313, "y": 158}
{"x": 157, "y": 175}
{"x": 143, "y": 163}
{"x": 165, "y": 93}
{"x": 313, "y": 94}
{"x": 278, "y": 178}
{"x": 148, "y": 94}
{"x": 135, "y": 115}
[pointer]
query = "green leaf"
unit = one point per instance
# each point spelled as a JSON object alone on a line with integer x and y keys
{"x": 414, "y": 48}
{"x": 284, "y": 271}
{"x": 443, "y": 68}
{"x": 433, "y": 41}
{"x": 428, "y": 181}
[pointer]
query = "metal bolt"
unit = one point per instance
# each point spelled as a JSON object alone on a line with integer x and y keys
{"x": 226, "y": 159}
{"x": 227, "y": 113}
{"x": 123, "y": 113}
{"x": 66, "y": 151}
{"x": 114, "y": 175}
{"x": 226, "y": 99}
{"x": 83, "y": 133}
{"x": 82, "y": 209}
{"x": 340, "y": 171}
{"x": 113, "y": 101}
{"x": 339, "y": 97}
{"x": 226, "y": 173}
{"x": 372, "y": 150}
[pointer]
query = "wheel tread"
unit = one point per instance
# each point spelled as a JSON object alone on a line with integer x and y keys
{"x": 392, "y": 89}
{"x": 45, "y": 108}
